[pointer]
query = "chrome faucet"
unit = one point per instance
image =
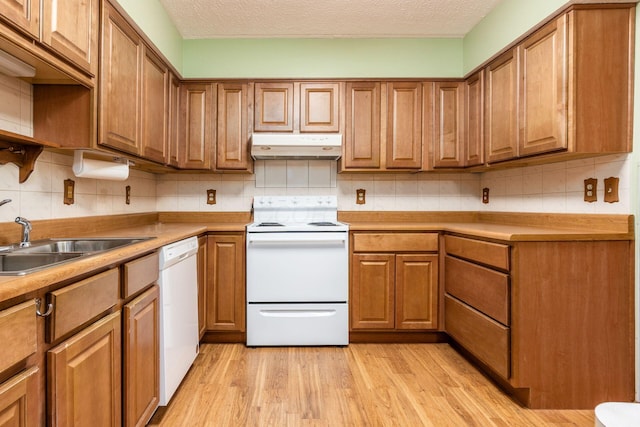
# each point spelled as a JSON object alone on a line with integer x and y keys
{"x": 26, "y": 230}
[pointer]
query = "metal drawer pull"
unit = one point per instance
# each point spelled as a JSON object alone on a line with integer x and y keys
{"x": 49, "y": 308}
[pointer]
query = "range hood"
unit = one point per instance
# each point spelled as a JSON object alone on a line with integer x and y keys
{"x": 296, "y": 146}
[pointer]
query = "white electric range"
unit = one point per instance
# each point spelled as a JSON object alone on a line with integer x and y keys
{"x": 297, "y": 272}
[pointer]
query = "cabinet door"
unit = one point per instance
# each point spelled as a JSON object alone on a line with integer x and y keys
{"x": 416, "y": 291}
{"x": 120, "y": 88}
{"x": 173, "y": 128}
{"x": 404, "y": 125}
{"x": 319, "y": 107}
{"x": 449, "y": 125}
{"x": 24, "y": 14}
{"x": 274, "y": 107}
{"x": 197, "y": 112}
{"x": 501, "y": 138}
{"x": 372, "y": 291}
{"x": 543, "y": 92}
{"x": 474, "y": 119}
{"x": 225, "y": 293}
{"x": 84, "y": 378}
{"x": 362, "y": 135}
{"x": 141, "y": 358}
{"x": 19, "y": 400}
{"x": 202, "y": 282}
{"x": 71, "y": 28}
{"x": 155, "y": 105}
{"x": 232, "y": 150}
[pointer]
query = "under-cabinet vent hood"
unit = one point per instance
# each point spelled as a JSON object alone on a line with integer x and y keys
{"x": 297, "y": 146}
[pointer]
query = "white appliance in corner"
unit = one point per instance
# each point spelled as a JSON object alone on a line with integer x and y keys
{"x": 179, "y": 335}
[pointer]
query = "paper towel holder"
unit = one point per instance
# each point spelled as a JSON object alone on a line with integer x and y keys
{"x": 114, "y": 168}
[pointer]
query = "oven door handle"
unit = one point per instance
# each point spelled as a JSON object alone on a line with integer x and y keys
{"x": 304, "y": 243}
{"x": 297, "y": 313}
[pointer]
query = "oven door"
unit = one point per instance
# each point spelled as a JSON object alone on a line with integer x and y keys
{"x": 297, "y": 267}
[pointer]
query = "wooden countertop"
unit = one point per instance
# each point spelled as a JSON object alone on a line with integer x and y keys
{"x": 171, "y": 227}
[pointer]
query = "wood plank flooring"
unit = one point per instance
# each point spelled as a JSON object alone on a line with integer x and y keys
{"x": 359, "y": 385}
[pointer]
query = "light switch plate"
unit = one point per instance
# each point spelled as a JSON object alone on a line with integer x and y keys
{"x": 611, "y": 189}
{"x": 69, "y": 187}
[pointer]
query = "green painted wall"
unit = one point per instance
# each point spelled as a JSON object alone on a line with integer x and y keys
{"x": 508, "y": 21}
{"x": 337, "y": 58}
{"x": 153, "y": 19}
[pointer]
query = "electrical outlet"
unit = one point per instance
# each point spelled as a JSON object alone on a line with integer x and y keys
{"x": 127, "y": 194}
{"x": 69, "y": 186}
{"x": 590, "y": 190}
{"x": 611, "y": 189}
{"x": 360, "y": 196}
{"x": 485, "y": 195}
{"x": 211, "y": 197}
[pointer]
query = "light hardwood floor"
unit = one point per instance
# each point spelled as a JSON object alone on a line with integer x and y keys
{"x": 359, "y": 385}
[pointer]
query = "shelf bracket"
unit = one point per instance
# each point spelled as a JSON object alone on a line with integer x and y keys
{"x": 23, "y": 156}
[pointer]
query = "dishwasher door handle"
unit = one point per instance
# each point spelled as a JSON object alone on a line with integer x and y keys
{"x": 297, "y": 313}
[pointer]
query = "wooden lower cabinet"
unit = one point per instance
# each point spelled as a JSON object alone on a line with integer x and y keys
{"x": 551, "y": 320}
{"x": 394, "y": 290}
{"x": 202, "y": 282}
{"x": 141, "y": 362}
{"x": 19, "y": 400}
{"x": 84, "y": 377}
{"x": 225, "y": 287}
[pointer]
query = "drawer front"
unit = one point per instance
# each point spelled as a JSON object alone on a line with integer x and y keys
{"x": 18, "y": 327}
{"x": 484, "y": 289}
{"x": 80, "y": 302}
{"x": 139, "y": 273}
{"x": 493, "y": 254}
{"x": 395, "y": 242}
{"x": 485, "y": 338}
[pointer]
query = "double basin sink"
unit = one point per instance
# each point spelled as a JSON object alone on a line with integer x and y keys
{"x": 18, "y": 261}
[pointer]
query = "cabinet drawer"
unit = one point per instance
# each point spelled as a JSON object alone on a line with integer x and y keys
{"x": 493, "y": 254}
{"x": 484, "y": 289}
{"x": 395, "y": 242}
{"x": 18, "y": 327}
{"x": 485, "y": 338}
{"x": 138, "y": 274}
{"x": 80, "y": 302}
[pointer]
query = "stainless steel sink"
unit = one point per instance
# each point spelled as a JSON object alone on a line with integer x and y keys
{"x": 17, "y": 264}
{"x": 83, "y": 245}
{"x": 18, "y": 261}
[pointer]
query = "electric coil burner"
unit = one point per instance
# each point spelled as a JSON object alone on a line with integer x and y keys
{"x": 297, "y": 272}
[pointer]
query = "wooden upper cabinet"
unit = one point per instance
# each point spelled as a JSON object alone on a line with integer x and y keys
{"x": 474, "y": 119}
{"x": 120, "y": 83}
{"x": 173, "y": 125}
{"x": 362, "y": 135}
{"x": 155, "y": 107}
{"x": 404, "y": 125}
{"x": 232, "y": 148}
{"x": 71, "y": 28}
{"x": 197, "y": 110}
{"x": 319, "y": 107}
{"x": 297, "y": 107}
{"x": 273, "y": 107}
{"x": 543, "y": 90}
{"x": 501, "y": 112}
{"x": 23, "y": 14}
{"x": 448, "y": 126}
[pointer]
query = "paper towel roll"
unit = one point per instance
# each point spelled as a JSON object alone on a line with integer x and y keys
{"x": 99, "y": 169}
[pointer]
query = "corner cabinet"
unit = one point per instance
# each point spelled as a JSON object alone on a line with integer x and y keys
{"x": 225, "y": 288}
{"x": 368, "y": 146}
{"x": 552, "y": 321}
{"x": 394, "y": 281}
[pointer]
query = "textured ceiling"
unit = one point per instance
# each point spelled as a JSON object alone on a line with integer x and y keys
{"x": 197, "y": 19}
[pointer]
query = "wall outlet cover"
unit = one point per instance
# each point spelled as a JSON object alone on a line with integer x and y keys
{"x": 69, "y": 187}
{"x": 127, "y": 194}
{"x": 361, "y": 196}
{"x": 211, "y": 197}
{"x": 590, "y": 190}
{"x": 485, "y": 195}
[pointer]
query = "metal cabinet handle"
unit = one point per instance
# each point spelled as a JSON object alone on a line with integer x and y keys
{"x": 46, "y": 313}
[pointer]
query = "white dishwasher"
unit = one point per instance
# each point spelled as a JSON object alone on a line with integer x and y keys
{"x": 179, "y": 334}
